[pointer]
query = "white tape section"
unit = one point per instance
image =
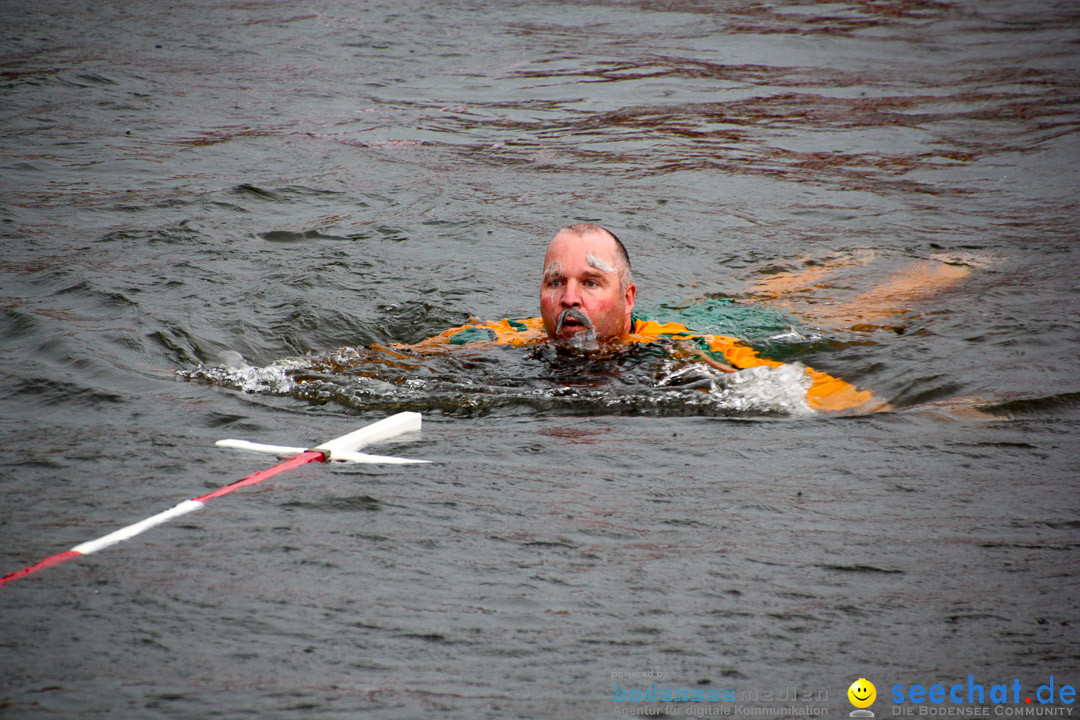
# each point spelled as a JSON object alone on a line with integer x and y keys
{"x": 132, "y": 530}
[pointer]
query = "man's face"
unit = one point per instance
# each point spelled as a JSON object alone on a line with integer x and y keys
{"x": 581, "y": 272}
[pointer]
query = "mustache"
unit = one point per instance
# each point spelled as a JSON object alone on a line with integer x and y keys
{"x": 575, "y": 314}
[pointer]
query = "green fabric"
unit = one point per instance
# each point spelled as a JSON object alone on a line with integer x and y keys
{"x": 751, "y": 322}
{"x": 759, "y": 326}
{"x": 472, "y": 334}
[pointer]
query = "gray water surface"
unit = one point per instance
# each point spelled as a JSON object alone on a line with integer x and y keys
{"x": 296, "y": 181}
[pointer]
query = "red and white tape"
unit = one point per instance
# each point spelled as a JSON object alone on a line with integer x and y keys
{"x": 339, "y": 449}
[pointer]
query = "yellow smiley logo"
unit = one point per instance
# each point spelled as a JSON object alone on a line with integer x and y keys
{"x": 862, "y": 693}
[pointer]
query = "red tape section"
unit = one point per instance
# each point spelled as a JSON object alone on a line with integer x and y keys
{"x": 302, "y": 459}
{"x": 46, "y": 563}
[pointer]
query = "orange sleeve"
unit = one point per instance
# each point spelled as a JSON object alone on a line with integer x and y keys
{"x": 503, "y": 332}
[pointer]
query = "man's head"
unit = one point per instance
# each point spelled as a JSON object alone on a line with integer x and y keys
{"x": 586, "y": 270}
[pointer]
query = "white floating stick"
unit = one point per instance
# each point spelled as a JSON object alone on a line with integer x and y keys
{"x": 282, "y": 451}
{"x": 381, "y": 431}
{"x": 356, "y": 457}
{"x": 285, "y": 451}
{"x": 342, "y": 448}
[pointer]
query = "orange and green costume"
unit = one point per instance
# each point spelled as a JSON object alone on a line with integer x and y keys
{"x": 825, "y": 392}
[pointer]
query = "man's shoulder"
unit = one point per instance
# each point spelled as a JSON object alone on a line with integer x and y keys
{"x": 646, "y": 331}
{"x": 646, "y": 328}
{"x": 500, "y": 332}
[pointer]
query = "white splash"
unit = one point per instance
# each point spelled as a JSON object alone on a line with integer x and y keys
{"x": 235, "y": 372}
{"x": 761, "y": 389}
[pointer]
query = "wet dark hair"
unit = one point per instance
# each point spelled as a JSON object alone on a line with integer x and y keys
{"x": 622, "y": 248}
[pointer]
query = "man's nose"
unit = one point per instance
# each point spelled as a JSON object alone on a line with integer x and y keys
{"x": 571, "y": 296}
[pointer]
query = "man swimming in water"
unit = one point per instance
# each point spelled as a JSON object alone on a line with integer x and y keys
{"x": 587, "y": 300}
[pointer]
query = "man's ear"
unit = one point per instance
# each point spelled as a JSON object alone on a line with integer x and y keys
{"x": 629, "y": 297}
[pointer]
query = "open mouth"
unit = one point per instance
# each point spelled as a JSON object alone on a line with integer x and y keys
{"x": 572, "y": 321}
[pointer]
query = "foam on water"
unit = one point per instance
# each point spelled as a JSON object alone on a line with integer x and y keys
{"x": 351, "y": 377}
{"x": 758, "y": 390}
{"x": 236, "y": 373}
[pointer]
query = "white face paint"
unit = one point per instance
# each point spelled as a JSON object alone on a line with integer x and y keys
{"x": 598, "y": 263}
{"x": 552, "y": 271}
